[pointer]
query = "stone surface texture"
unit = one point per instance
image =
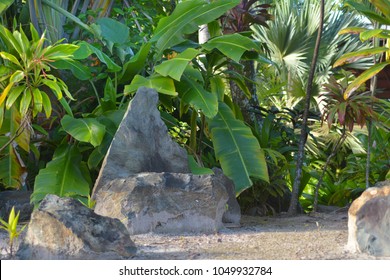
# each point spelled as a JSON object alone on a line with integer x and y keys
{"x": 164, "y": 202}
{"x": 369, "y": 221}
{"x": 63, "y": 228}
{"x": 232, "y": 212}
{"x": 142, "y": 143}
{"x": 19, "y": 199}
{"x": 146, "y": 182}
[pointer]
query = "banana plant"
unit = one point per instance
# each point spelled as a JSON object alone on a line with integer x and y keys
{"x": 195, "y": 76}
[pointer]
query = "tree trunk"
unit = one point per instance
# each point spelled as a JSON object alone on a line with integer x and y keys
{"x": 247, "y": 105}
{"x": 302, "y": 140}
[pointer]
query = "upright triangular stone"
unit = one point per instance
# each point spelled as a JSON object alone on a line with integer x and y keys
{"x": 142, "y": 143}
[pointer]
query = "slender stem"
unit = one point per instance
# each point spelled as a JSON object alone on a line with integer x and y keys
{"x": 95, "y": 91}
{"x": 302, "y": 141}
{"x": 373, "y": 86}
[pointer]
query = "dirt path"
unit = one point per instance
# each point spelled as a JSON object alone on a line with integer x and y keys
{"x": 293, "y": 238}
{"x": 323, "y": 236}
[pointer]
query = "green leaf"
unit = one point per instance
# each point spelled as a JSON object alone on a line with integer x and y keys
{"x": 60, "y": 52}
{"x": 66, "y": 106}
{"x": 233, "y": 45}
{"x": 16, "y": 77}
{"x": 237, "y": 149}
{"x": 46, "y": 104}
{"x": 353, "y": 56}
{"x": 109, "y": 91}
{"x": 37, "y": 99}
{"x": 193, "y": 93}
{"x": 161, "y": 84}
{"x": 365, "y": 10}
{"x": 13, "y": 95}
{"x": 5, "y": 92}
{"x": 84, "y": 130}
{"x": 363, "y": 77}
{"x": 383, "y": 6}
{"x": 4, "y": 5}
{"x": 62, "y": 175}
{"x": 11, "y": 170}
{"x": 86, "y": 49}
{"x": 25, "y": 102}
{"x": 175, "y": 67}
{"x": 113, "y": 30}
{"x": 54, "y": 87}
{"x": 366, "y": 35}
{"x": 79, "y": 70}
{"x": 135, "y": 64}
{"x": 196, "y": 169}
{"x": 186, "y": 18}
{"x": 9, "y": 40}
{"x": 352, "y": 30}
{"x": 217, "y": 87}
{"x": 11, "y": 58}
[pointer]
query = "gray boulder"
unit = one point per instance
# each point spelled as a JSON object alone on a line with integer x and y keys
{"x": 232, "y": 214}
{"x": 369, "y": 222}
{"x": 63, "y": 228}
{"x": 164, "y": 202}
{"x": 18, "y": 199}
{"x": 142, "y": 143}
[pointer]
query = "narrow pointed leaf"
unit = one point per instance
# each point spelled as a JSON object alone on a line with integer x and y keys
{"x": 383, "y": 6}
{"x": 79, "y": 70}
{"x": 13, "y": 95}
{"x": 366, "y": 75}
{"x": 11, "y": 58}
{"x": 353, "y": 56}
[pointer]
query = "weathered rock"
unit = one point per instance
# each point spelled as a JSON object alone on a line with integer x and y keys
{"x": 369, "y": 222}
{"x": 142, "y": 143}
{"x": 232, "y": 212}
{"x": 164, "y": 202}
{"x": 62, "y": 228}
{"x": 19, "y": 199}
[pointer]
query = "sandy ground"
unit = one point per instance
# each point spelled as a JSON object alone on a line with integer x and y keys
{"x": 322, "y": 236}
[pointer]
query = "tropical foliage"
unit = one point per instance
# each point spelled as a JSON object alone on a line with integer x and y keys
{"x": 66, "y": 79}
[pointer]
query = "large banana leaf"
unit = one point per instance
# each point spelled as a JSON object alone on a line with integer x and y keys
{"x": 161, "y": 84}
{"x": 135, "y": 64}
{"x": 63, "y": 176}
{"x": 175, "y": 67}
{"x": 237, "y": 149}
{"x": 194, "y": 93}
{"x": 86, "y": 49}
{"x": 186, "y": 19}
{"x": 85, "y": 130}
{"x": 233, "y": 45}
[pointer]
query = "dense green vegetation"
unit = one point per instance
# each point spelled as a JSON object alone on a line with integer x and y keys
{"x": 69, "y": 68}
